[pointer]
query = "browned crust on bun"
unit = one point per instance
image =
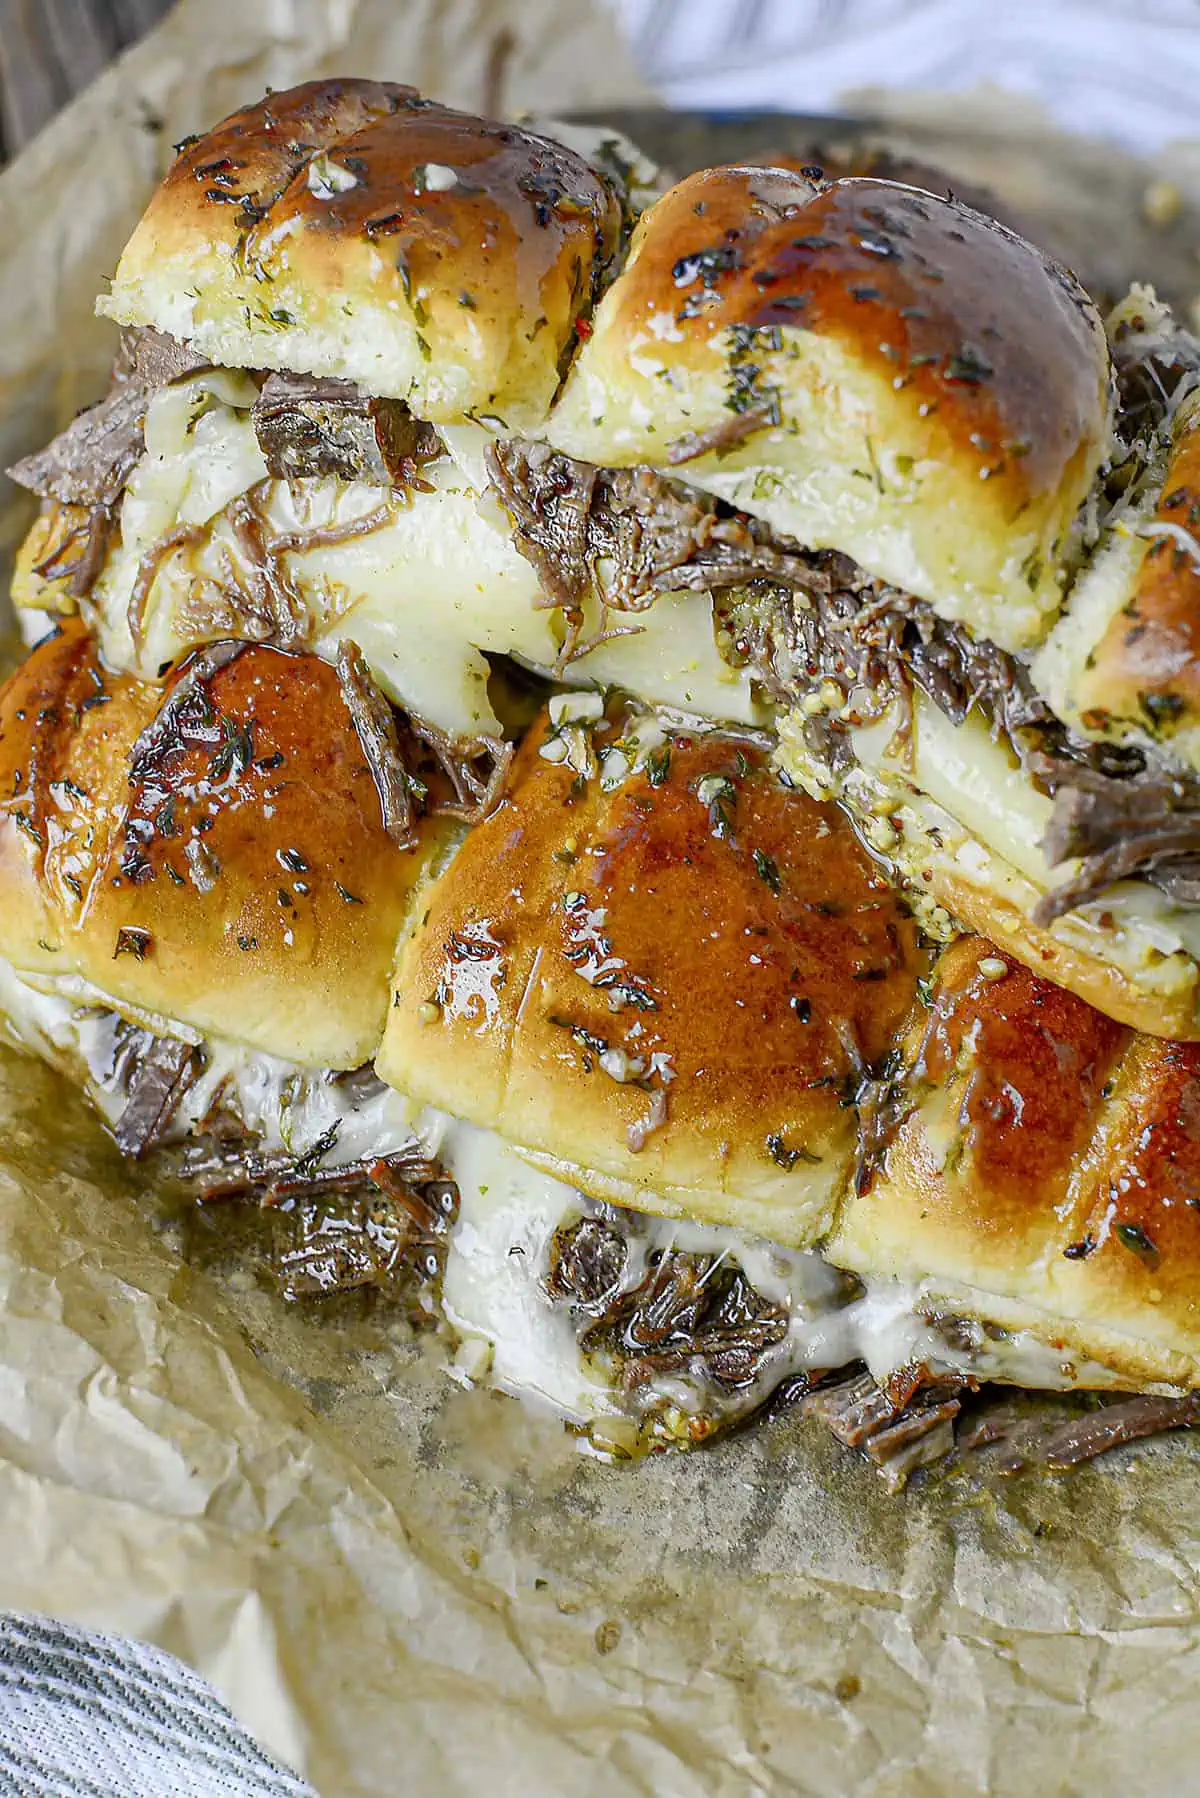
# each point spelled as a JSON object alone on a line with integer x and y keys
{"x": 353, "y": 229}
{"x": 1146, "y": 666}
{"x": 665, "y": 992}
{"x": 1046, "y": 1174}
{"x": 897, "y": 376}
{"x": 212, "y": 851}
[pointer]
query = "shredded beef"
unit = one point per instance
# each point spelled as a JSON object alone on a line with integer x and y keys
{"x": 158, "y": 1071}
{"x": 899, "y": 1438}
{"x": 155, "y": 358}
{"x": 357, "y": 1085}
{"x": 913, "y": 1425}
{"x": 654, "y": 535}
{"x": 89, "y": 462}
{"x": 735, "y": 428}
{"x": 181, "y": 536}
{"x": 324, "y": 536}
{"x": 812, "y": 615}
{"x": 309, "y": 425}
{"x": 80, "y": 557}
{"x": 392, "y": 1217}
{"x": 229, "y": 1165}
{"x": 370, "y": 1238}
{"x": 1120, "y": 816}
{"x": 416, "y": 768}
{"x": 688, "y": 1313}
{"x": 474, "y": 768}
{"x": 341, "y": 1226}
{"x": 276, "y": 608}
{"x": 587, "y": 1261}
{"x": 1022, "y": 1439}
{"x": 375, "y": 725}
{"x": 1147, "y": 826}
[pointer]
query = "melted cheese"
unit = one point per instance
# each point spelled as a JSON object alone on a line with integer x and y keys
{"x": 1098, "y": 595}
{"x": 427, "y": 594}
{"x": 956, "y": 801}
{"x": 493, "y": 1293}
{"x": 287, "y": 1107}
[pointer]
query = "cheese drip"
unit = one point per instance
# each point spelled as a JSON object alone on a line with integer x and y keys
{"x": 494, "y": 1295}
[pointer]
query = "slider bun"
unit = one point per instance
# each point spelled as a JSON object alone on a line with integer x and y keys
{"x": 1168, "y": 1009}
{"x": 1124, "y": 659}
{"x": 200, "y": 879}
{"x": 1045, "y": 1178}
{"x": 834, "y": 163}
{"x": 747, "y": 1008}
{"x": 66, "y": 729}
{"x": 352, "y": 229}
{"x": 932, "y": 390}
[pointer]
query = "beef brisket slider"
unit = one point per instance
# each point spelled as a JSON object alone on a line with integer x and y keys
{"x": 629, "y": 1043}
{"x": 983, "y": 630}
{"x": 845, "y": 449}
{"x": 212, "y": 851}
{"x": 653, "y": 974}
{"x": 666, "y": 984}
{"x": 672, "y": 982}
{"x": 1041, "y": 1173}
{"x": 334, "y": 302}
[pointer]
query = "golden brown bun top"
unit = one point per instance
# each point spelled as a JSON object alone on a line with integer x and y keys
{"x": 350, "y": 228}
{"x": 825, "y": 163}
{"x": 211, "y": 851}
{"x": 934, "y": 354}
{"x": 978, "y": 326}
{"x": 1050, "y": 1161}
{"x": 1028, "y": 1062}
{"x": 725, "y": 943}
{"x": 64, "y": 746}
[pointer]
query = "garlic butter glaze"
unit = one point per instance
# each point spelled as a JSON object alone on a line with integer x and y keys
{"x": 665, "y": 984}
{"x": 211, "y": 850}
{"x": 353, "y": 229}
{"x": 1045, "y": 1174}
{"x": 870, "y": 368}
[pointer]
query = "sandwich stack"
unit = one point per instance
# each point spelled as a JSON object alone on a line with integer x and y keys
{"x": 624, "y": 756}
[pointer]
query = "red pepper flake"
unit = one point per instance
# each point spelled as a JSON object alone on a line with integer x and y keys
{"x": 583, "y": 328}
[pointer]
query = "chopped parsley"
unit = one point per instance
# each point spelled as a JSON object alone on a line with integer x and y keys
{"x": 1135, "y": 1239}
{"x": 767, "y": 869}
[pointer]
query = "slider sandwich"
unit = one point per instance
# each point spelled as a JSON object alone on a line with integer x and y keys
{"x": 973, "y": 581}
{"x": 646, "y": 1083}
{"x": 334, "y": 303}
{"x": 434, "y": 810}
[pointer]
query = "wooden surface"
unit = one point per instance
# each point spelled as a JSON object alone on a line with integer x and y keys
{"x": 49, "y": 49}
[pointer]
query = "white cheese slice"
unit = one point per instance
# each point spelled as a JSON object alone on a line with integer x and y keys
{"x": 427, "y": 594}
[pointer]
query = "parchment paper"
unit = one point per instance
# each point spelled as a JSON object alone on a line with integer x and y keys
{"x": 404, "y": 1586}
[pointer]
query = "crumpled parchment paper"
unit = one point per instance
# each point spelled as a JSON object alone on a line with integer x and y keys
{"x": 405, "y": 1586}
